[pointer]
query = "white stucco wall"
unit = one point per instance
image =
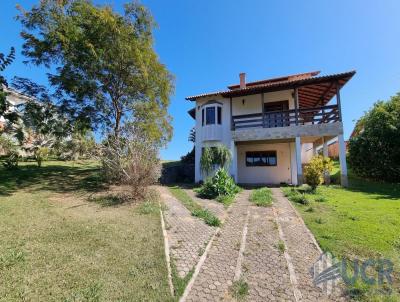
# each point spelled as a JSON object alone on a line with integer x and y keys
{"x": 306, "y": 152}
{"x": 252, "y": 103}
{"x": 265, "y": 175}
{"x": 224, "y": 131}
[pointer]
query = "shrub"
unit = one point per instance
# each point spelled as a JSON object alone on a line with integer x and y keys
{"x": 314, "y": 171}
{"x": 10, "y": 149}
{"x": 374, "y": 152}
{"x": 220, "y": 184}
{"x": 320, "y": 199}
{"x": 131, "y": 159}
{"x": 299, "y": 198}
{"x": 305, "y": 188}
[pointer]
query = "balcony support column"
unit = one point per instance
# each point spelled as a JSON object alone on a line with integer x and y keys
{"x": 263, "y": 110}
{"x": 338, "y": 101}
{"x": 325, "y": 152}
{"x": 230, "y": 110}
{"x": 233, "y": 149}
{"x": 342, "y": 159}
{"x": 296, "y": 105}
{"x": 298, "y": 161}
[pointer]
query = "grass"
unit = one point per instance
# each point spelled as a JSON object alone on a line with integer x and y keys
{"x": 361, "y": 221}
{"x": 195, "y": 209}
{"x": 226, "y": 200}
{"x": 239, "y": 289}
{"x": 261, "y": 197}
{"x": 281, "y": 246}
{"x": 178, "y": 282}
{"x": 57, "y": 246}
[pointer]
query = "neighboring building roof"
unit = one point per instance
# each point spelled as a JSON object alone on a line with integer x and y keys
{"x": 15, "y": 97}
{"x": 312, "y": 90}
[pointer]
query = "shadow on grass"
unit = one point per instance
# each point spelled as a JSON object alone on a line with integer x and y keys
{"x": 382, "y": 190}
{"x": 109, "y": 200}
{"x": 55, "y": 177}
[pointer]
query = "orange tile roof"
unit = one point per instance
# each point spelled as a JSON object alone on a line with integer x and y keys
{"x": 273, "y": 84}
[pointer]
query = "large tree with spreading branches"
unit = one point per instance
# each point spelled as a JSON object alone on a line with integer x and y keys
{"x": 103, "y": 64}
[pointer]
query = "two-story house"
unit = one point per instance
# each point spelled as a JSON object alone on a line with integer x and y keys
{"x": 273, "y": 126}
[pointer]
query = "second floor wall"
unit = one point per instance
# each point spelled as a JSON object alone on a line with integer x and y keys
{"x": 213, "y": 114}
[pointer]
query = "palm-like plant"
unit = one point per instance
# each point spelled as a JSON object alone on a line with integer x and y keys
{"x": 215, "y": 157}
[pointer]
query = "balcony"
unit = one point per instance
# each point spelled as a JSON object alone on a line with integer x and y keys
{"x": 286, "y": 118}
{"x": 288, "y": 124}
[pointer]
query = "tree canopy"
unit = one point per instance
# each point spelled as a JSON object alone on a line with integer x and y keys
{"x": 105, "y": 69}
{"x": 6, "y": 60}
{"x": 374, "y": 152}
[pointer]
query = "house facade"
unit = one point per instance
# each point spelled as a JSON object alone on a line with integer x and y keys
{"x": 272, "y": 127}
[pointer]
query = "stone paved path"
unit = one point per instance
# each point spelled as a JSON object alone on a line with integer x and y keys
{"x": 272, "y": 275}
{"x": 215, "y": 207}
{"x": 218, "y": 271}
{"x": 187, "y": 235}
{"x": 265, "y": 267}
{"x": 301, "y": 246}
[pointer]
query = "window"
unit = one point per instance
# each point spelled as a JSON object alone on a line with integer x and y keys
{"x": 210, "y": 115}
{"x": 261, "y": 158}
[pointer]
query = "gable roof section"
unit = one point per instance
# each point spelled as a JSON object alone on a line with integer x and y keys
{"x": 312, "y": 90}
{"x": 297, "y": 76}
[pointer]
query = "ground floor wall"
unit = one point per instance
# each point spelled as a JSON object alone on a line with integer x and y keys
{"x": 283, "y": 172}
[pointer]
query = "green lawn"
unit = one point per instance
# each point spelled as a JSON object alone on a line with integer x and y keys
{"x": 361, "y": 221}
{"x": 58, "y": 246}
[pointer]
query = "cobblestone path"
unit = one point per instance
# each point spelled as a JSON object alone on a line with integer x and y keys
{"x": 265, "y": 268}
{"x": 271, "y": 273}
{"x": 187, "y": 235}
{"x": 302, "y": 248}
{"x": 218, "y": 271}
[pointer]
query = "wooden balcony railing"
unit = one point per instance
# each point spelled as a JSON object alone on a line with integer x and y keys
{"x": 272, "y": 119}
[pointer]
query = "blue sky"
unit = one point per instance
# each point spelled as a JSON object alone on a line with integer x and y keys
{"x": 206, "y": 44}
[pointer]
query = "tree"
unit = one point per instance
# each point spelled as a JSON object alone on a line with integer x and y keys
{"x": 107, "y": 70}
{"x": 6, "y": 60}
{"x": 375, "y": 151}
{"x": 42, "y": 117}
